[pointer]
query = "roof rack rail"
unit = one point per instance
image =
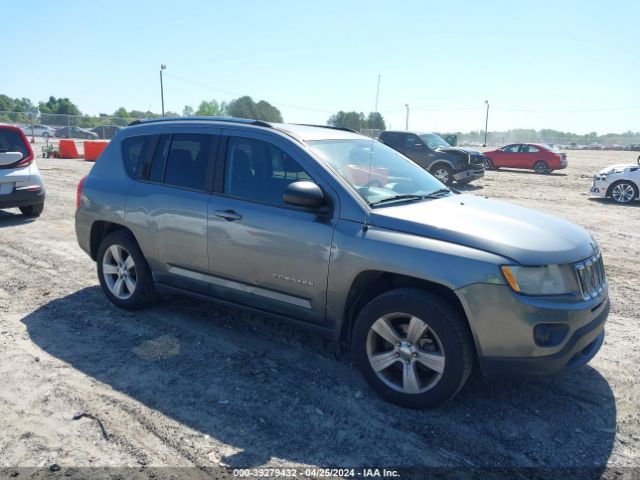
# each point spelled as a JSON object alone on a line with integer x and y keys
{"x": 246, "y": 121}
{"x": 345, "y": 129}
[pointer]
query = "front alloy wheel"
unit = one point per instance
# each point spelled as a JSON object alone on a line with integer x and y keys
{"x": 405, "y": 353}
{"x": 413, "y": 347}
{"x": 444, "y": 174}
{"x": 623, "y": 192}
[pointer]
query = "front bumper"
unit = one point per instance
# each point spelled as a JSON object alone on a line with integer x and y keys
{"x": 598, "y": 188}
{"x": 468, "y": 175}
{"x": 503, "y": 323}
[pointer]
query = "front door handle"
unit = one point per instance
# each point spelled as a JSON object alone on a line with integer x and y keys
{"x": 228, "y": 215}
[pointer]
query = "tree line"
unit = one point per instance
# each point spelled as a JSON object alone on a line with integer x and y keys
{"x": 54, "y": 112}
{"x": 58, "y": 111}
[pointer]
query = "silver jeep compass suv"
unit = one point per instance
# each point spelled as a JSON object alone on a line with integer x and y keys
{"x": 334, "y": 230}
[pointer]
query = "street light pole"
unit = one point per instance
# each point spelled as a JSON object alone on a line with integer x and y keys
{"x": 162, "y": 67}
{"x": 486, "y": 123}
{"x": 406, "y": 122}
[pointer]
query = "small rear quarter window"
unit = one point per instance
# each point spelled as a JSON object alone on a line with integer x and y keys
{"x": 134, "y": 151}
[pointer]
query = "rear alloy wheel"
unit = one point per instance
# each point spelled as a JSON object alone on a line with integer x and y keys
{"x": 413, "y": 348}
{"x": 123, "y": 271}
{"x": 32, "y": 210}
{"x": 541, "y": 167}
{"x": 623, "y": 192}
{"x": 487, "y": 163}
{"x": 443, "y": 173}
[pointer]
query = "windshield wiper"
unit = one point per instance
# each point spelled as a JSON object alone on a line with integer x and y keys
{"x": 437, "y": 193}
{"x": 399, "y": 197}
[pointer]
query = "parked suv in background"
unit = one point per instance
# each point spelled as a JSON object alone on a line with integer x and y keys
{"x": 434, "y": 154}
{"x": 284, "y": 220}
{"x": 20, "y": 182}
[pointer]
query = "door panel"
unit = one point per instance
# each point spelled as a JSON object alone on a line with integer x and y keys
{"x": 263, "y": 253}
{"x": 169, "y": 211}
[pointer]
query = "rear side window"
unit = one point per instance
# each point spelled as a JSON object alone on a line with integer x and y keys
{"x": 134, "y": 151}
{"x": 393, "y": 139}
{"x": 189, "y": 159}
{"x": 11, "y": 141}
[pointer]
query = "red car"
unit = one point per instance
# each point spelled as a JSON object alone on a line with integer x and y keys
{"x": 532, "y": 156}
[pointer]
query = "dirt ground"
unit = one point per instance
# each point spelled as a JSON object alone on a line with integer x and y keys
{"x": 188, "y": 383}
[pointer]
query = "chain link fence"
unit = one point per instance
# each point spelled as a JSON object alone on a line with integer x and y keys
{"x": 75, "y": 126}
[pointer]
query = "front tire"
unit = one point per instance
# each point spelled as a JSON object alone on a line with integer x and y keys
{"x": 32, "y": 210}
{"x": 443, "y": 173}
{"x": 413, "y": 348}
{"x": 623, "y": 191}
{"x": 123, "y": 271}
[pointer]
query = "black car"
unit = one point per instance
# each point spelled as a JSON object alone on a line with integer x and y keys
{"x": 431, "y": 152}
{"x": 106, "y": 131}
{"x": 76, "y": 132}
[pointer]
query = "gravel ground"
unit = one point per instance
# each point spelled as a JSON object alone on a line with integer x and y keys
{"x": 186, "y": 383}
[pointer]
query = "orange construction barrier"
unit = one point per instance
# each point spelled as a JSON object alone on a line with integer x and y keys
{"x": 68, "y": 149}
{"x": 92, "y": 150}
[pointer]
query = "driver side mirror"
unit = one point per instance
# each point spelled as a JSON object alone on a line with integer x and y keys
{"x": 304, "y": 194}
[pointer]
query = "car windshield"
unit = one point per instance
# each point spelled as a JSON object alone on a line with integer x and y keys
{"x": 378, "y": 173}
{"x": 433, "y": 140}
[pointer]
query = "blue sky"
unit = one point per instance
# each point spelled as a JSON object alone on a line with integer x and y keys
{"x": 568, "y": 65}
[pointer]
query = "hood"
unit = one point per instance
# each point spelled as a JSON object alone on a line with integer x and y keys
{"x": 464, "y": 151}
{"x": 615, "y": 169}
{"x": 526, "y": 236}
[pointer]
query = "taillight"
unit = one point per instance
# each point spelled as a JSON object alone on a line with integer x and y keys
{"x": 79, "y": 191}
{"x": 28, "y": 160}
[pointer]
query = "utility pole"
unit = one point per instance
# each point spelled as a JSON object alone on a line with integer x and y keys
{"x": 406, "y": 122}
{"x": 377, "y": 94}
{"x": 162, "y": 67}
{"x": 486, "y": 123}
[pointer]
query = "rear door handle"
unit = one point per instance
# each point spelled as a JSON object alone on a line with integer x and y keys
{"x": 228, "y": 215}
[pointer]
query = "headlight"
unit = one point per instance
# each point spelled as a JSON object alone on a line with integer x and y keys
{"x": 543, "y": 280}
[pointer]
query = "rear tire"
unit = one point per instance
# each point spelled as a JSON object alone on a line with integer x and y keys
{"x": 420, "y": 345}
{"x": 541, "y": 167}
{"x": 32, "y": 210}
{"x": 124, "y": 274}
{"x": 487, "y": 163}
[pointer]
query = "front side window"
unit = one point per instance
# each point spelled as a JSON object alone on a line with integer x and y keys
{"x": 375, "y": 171}
{"x": 258, "y": 171}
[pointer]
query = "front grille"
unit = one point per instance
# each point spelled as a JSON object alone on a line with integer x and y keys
{"x": 477, "y": 161}
{"x": 591, "y": 276}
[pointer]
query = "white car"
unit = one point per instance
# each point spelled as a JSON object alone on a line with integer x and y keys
{"x": 38, "y": 130}
{"x": 21, "y": 184}
{"x": 618, "y": 182}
